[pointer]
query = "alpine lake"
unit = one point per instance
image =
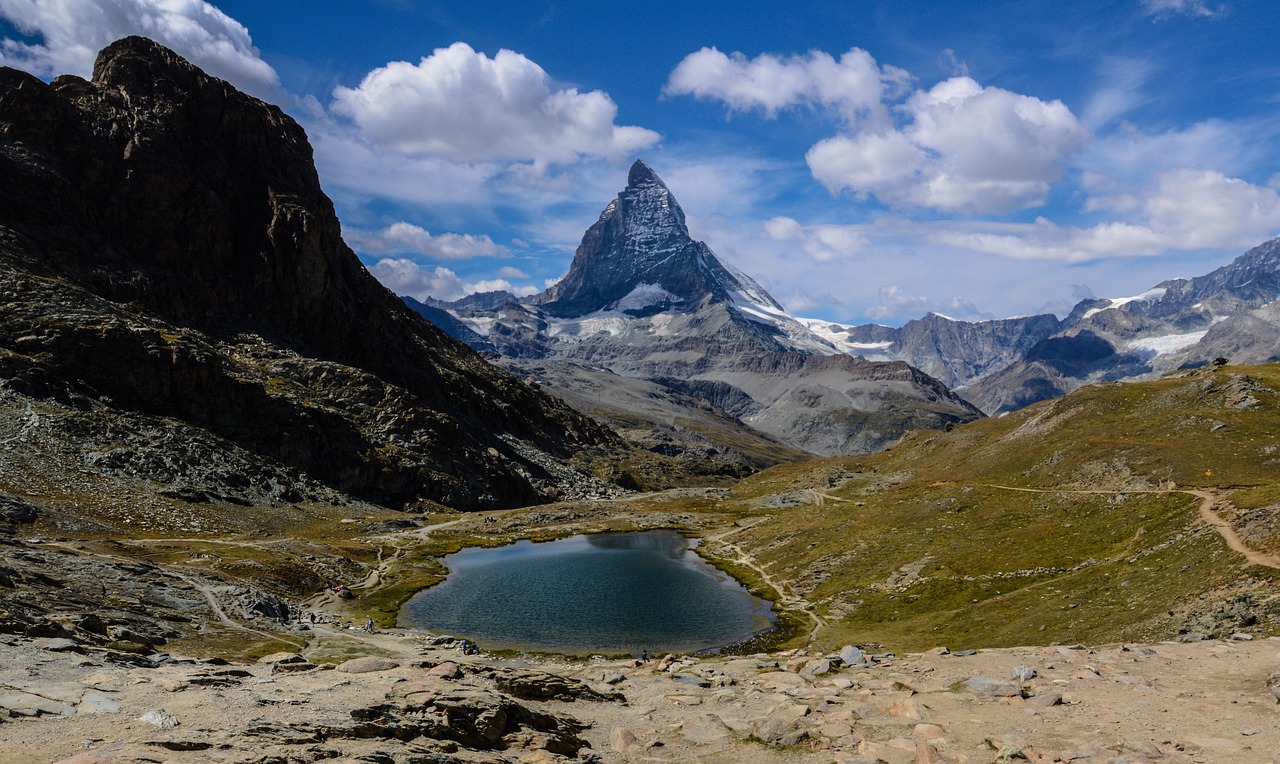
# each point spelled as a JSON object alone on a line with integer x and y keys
{"x": 602, "y": 593}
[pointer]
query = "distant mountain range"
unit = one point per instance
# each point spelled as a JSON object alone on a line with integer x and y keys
{"x": 643, "y": 300}
{"x": 1004, "y": 365}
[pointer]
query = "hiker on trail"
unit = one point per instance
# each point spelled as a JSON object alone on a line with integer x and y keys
{"x": 312, "y": 614}
{"x": 368, "y": 625}
{"x": 644, "y": 656}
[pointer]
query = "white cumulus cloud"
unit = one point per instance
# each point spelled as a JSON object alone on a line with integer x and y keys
{"x": 406, "y": 238}
{"x": 1182, "y": 210}
{"x": 964, "y": 148}
{"x": 460, "y": 104}
{"x": 71, "y": 32}
{"x": 893, "y": 302}
{"x": 405, "y": 277}
{"x": 956, "y": 147}
{"x": 855, "y": 85}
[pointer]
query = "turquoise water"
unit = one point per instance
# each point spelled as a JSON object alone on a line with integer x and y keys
{"x": 612, "y": 592}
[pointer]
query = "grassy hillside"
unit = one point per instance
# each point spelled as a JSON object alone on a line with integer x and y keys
{"x": 1077, "y": 520}
{"x": 1058, "y": 523}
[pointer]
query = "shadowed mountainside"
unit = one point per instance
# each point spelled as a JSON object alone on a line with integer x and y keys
{"x": 167, "y": 250}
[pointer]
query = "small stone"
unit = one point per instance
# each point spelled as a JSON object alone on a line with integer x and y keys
{"x": 1144, "y": 747}
{"x": 1240, "y": 636}
{"x": 612, "y": 677}
{"x": 160, "y": 718}
{"x": 1046, "y": 700}
{"x": 928, "y": 731}
{"x": 1023, "y": 673}
{"x": 852, "y": 656}
{"x": 816, "y": 667}
{"x": 963, "y": 653}
{"x": 622, "y": 740}
{"x": 927, "y": 754}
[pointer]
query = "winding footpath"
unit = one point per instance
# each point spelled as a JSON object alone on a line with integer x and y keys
{"x": 788, "y": 600}
{"x": 1211, "y": 518}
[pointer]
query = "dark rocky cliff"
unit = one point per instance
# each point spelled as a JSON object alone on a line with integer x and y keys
{"x": 166, "y": 248}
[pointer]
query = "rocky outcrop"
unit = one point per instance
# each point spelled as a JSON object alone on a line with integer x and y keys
{"x": 166, "y": 250}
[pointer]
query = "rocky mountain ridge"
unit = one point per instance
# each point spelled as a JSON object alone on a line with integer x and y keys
{"x": 1005, "y": 364}
{"x": 167, "y": 253}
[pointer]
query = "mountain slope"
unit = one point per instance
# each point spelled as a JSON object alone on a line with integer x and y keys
{"x": 167, "y": 250}
{"x": 1081, "y": 519}
{"x": 643, "y": 299}
{"x": 1181, "y": 323}
{"x": 954, "y": 352}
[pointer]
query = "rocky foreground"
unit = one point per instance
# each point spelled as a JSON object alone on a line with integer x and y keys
{"x": 415, "y": 698}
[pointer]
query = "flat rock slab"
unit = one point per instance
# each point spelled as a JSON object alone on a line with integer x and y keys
{"x": 367, "y": 665}
{"x": 446, "y": 670}
{"x": 993, "y": 687}
{"x": 58, "y": 645}
{"x": 690, "y": 679}
{"x": 19, "y": 703}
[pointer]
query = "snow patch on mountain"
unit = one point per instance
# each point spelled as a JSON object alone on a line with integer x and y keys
{"x": 481, "y": 325}
{"x": 603, "y": 322}
{"x": 836, "y": 335}
{"x": 643, "y": 296}
{"x": 1151, "y": 295}
{"x": 1169, "y": 343}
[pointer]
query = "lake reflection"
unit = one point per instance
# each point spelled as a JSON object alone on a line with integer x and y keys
{"x": 620, "y": 592}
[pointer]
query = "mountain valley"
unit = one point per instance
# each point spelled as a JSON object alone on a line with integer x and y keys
{"x": 228, "y": 457}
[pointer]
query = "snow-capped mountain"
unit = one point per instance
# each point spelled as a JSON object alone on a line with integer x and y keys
{"x": 638, "y": 260}
{"x": 643, "y": 299}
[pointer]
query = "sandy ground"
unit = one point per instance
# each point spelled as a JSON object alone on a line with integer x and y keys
{"x": 1192, "y": 702}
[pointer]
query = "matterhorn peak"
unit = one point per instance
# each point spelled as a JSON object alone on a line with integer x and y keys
{"x": 639, "y": 258}
{"x": 642, "y": 175}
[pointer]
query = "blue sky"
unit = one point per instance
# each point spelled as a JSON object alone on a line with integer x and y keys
{"x": 865, "y": 161}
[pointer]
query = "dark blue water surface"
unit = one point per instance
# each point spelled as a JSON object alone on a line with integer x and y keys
{"x": 619, "y": 592}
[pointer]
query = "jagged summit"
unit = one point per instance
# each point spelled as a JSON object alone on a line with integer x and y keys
{"x": 639, "y": 258}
